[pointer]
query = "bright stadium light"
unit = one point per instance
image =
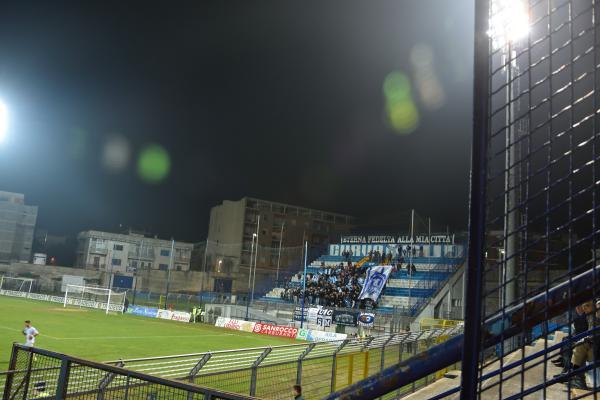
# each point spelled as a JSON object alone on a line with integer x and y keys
{"x": 3, "y": 122}
{"x": 509, "y": 22}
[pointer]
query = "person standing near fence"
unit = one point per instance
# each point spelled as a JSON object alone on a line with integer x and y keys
{"x": 30, "y": 333}
{"x": 298, "y": 392}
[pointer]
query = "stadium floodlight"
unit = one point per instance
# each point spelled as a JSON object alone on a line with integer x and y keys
{"x": 509, "y": 22}
{"x": 3, "y": 121}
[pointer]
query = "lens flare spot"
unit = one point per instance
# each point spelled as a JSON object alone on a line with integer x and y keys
{"x": 396, "y": 87}
{"x": 115, "y": 155}
{"x": 403, "y": 117}
{"x": 402, "y": 113}
{"x": 153, "y": 164}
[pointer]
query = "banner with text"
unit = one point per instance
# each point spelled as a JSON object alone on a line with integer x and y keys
{"x": 142, "y": 311}
{"x": 298, "y": 313}
{"x": 366, "y": 320}
{"x": 235, "y": 324}
{"x": 347, "y": 318}
{"x": 61, "y": 299}
{"x": 324, "y": 317}
{"x": 319, "y": 336}
{"x": 275, "y": 330}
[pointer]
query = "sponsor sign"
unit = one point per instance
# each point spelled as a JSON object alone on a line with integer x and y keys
{"x": 324, "y": 317}
{"x": 181, "y": 316}
{"x": 366, "y": 320}
{"x": 347, "y": 318}
{"x": 235, "y": 324}
{"x": 61, "y": 300}
{"x": 143, "y": 311}
{"x": 319, "y": 336}
{"x": 275, "y": 330}
{"x": 164, "y": 314}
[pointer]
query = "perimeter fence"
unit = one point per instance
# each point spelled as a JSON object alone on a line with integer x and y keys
{"x": 263, "y": 372}
{"x": 40, "y": 374}
{"x": 321, "y": 368}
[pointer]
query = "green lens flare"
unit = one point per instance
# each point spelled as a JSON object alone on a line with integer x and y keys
{"x": 153, "y": 163}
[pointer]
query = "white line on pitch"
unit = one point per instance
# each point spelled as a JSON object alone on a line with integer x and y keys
{"x": 18, "y": 330}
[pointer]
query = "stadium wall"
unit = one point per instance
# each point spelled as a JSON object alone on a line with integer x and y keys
{"x": 50, "y": 276}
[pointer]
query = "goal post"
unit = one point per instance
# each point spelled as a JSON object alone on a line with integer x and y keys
{"x": 94, "y": 297}
{"x": 15, "y": 284}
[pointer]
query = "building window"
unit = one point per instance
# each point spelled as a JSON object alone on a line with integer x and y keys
{"x": 165, "y": 253}
{"x": 163, "y": 267}
{"x": 134, "y": 264}
{"x": 116, "y": 261}
{"x": 118, "y": 247}
{"x": 179, "y": 268}
{"x": 96, "y": 261}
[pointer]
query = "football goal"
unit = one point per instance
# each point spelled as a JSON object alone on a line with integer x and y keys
{"x": 22, "y": 285}
{"x": 94, "y": 297}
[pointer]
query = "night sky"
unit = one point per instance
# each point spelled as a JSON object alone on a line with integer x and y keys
{"x": 278, "y": 100}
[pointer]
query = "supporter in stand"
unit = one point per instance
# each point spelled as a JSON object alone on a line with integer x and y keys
{"x": 586, "y": 350}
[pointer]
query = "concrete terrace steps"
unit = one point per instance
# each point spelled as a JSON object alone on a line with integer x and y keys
{"x": 451, "y": 379}
{"x": 513, "y": 385}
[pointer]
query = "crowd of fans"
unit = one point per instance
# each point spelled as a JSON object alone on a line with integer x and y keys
{"x": 341, "y": 285}
{"x": 337, "y": 286}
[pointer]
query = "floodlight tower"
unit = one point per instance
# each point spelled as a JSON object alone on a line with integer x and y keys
{"x": 508, "y": 24}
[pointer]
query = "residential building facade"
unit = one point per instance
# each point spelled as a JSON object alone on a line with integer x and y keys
{"x": 272, "y": 233}
{"x": 130, "y": 252}
{"x": 17, "y": 226}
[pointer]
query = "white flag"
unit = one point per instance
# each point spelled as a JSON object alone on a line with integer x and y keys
{"x": 376, "y": 279}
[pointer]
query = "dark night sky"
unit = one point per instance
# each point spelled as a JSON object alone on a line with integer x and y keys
{"x": 278, "y": 100}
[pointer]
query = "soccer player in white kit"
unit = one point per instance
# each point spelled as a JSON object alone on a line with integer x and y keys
{"x": 30, "y": 333}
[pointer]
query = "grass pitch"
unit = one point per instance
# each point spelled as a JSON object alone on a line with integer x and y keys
{"x": 91, "y": 334}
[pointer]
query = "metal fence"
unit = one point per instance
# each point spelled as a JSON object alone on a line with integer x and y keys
{"x": 37, "y": 374}
{"x": 534, "y": 225}
{"x": 270, "y": 372}
{"x": 533, "y": 262}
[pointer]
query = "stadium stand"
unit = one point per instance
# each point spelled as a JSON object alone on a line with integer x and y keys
{"x": 405, "y": 292}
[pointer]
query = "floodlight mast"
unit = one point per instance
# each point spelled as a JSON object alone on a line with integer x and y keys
{"x": 509, "y": 24}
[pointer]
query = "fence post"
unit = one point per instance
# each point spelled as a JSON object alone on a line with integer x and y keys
{"x": 334, "y": 364}
{"x": 415, "y": 350}
{"x": 381, "y": 368}
{"x": 254, "y": 367}
{"x": 300, "y": 359}
{"x": 105, "y": 382}
{"x": 12, "y": 365}
{"x": 25, "y": 382}
{"x": 63, "y": 379}
{"x": 195, "y": 369}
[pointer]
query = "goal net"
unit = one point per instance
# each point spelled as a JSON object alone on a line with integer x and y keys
{"x": 22, "y": 285}
{"x": 94, "y": 297}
